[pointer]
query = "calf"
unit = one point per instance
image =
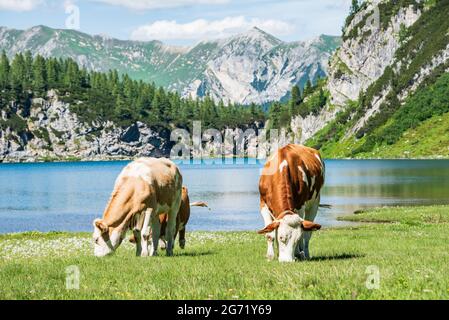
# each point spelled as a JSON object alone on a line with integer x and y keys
{"x": 289, "y": 188}
{"x": 146, "y": 188}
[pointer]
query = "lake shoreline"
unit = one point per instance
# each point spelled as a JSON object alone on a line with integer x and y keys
{"x": 125, "y": 158}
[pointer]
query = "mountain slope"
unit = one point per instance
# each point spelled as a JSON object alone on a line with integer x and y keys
{"x": 385, "y": 83}
{"x": 253, "y": 67}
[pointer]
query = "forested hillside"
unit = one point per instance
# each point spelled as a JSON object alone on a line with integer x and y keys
{"x": 52, "y": 108}
{"x": 98, "y": 96}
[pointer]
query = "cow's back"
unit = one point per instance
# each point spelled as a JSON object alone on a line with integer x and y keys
{"x": 293, "y": 176}
{"x": 161, "y": 175}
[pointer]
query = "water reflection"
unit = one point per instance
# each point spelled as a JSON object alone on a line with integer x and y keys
{"x": 67, "y": 196}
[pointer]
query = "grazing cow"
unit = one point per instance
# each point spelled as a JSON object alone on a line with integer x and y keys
{"x": 181, "y": 220}
{"x": 146, "y": 188}
{"x": 289, "y": 188}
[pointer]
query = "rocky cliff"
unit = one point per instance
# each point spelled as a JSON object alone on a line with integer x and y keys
{"x": 47, "y": 130}
{"x": 392, "y": 52}
{"x": 52, "y": 132}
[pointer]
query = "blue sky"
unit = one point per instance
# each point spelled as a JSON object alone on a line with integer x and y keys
{"x": 182, "y": 22}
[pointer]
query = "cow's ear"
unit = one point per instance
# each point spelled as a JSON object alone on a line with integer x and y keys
{"x": 271, "y": 227}
{"x": 310, "y": 226}
{"x": 100, "y": 224}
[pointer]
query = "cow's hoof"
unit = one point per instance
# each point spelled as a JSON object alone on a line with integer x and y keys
{"x": 301, "y": 256}
{"x": 182, "y": 244}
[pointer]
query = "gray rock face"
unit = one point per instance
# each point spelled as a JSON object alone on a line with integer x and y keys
{"x": 362, "y": 60}
{"x": 305, "y": 128}
{"x": 53, "y": 131}
{"x": 358, "y": 63}
{"x": 258, "y": 68}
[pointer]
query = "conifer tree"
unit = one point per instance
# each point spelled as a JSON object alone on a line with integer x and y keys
{"x": 4, "y": 70}
{"x": 39, "y": 79}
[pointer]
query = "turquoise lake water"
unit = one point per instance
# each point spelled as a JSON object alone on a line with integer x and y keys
{"x": 68, "y": 196}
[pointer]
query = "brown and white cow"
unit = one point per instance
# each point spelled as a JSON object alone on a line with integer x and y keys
{"x": 289, "y": 188}
{"x": 181, "y": 220}
{"x": 146, "y": 188}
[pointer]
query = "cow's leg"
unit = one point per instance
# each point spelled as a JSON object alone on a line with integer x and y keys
{"x": 266, "y": 215}
{"x": 170, "y": 231}
{"x": 137, "y": 238}
{"x": 310, "y": 216}
{"x": 155, "y": 233}
{"x": 162, "y": 241}
{"x": 182, "y": 237}
{"x": 145, "y": 233}
{"x": 299, "y": 252}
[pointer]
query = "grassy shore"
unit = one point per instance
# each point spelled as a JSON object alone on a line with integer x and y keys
{"x": 410, "y": 248}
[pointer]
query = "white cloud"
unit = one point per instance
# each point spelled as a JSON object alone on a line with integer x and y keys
{"x": 204, "y": 29}
{"x": 158, "y": 4}
{"x": 19, "y": 5}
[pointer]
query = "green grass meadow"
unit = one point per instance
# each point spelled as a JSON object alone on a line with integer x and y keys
{"x": 408, "y": 246}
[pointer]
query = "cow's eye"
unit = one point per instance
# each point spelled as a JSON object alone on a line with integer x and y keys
{"x": 282, "y": 238}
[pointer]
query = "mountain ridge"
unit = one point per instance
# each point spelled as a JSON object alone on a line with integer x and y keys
{"x": 204, "y": 68}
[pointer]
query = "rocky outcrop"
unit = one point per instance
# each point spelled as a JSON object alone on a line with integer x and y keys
{"x": 362, "y": 59}
{"x": 51, "y": 131}
{"x": 368, "y": 48}
{"x": 54, "y": 132}
{"x": 257, "y": 68}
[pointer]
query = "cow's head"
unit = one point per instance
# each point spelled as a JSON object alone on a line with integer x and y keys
{"x": 290, "y": 228}
{"x": 106, "y": 239}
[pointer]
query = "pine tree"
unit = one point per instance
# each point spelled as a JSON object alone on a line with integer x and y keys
{"x": 17, "y": 73}
{"x": 308, "y": 88}
{"x": 295, "y": 99}
{"x": 28, "y": 77}
{"x": 39, "y": 76}
{"x": 72, "y": 79}
{"x": 52, "y": 73}
{"x": 4, "y": 71}
{"x": 355, "y": 7}
{"x": 274, "y": 115}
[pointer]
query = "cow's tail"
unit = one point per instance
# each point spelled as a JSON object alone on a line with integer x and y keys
{"x": 199, "y": 204}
